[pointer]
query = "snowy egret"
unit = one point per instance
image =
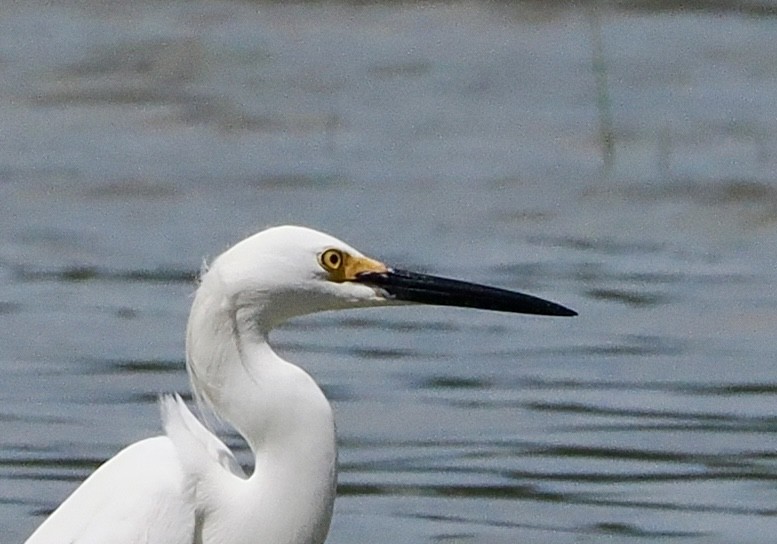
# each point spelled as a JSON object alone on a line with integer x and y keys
{"x": 186, "y": 487}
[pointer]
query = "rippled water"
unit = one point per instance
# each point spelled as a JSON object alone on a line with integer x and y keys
{"x": 464, "y": 139}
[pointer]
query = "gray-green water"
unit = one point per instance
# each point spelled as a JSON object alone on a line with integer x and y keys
{"x": 462, "y": 139}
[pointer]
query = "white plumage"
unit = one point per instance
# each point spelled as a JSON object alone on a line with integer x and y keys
{"x": 186, "y": 487}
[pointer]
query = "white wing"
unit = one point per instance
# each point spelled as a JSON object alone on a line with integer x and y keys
{"x": 135, "y": 497}
{"x": 143, "y": 495}
{"x": 199, "y": 449}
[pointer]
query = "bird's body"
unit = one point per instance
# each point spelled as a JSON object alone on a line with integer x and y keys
{"x": 186, "y": 487}
{"x": 152, "y": 489}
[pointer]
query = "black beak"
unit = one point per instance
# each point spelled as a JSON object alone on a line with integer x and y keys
{"x": 425, "y": 289}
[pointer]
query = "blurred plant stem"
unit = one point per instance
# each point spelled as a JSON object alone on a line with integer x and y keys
{"x": 603, "y": 101}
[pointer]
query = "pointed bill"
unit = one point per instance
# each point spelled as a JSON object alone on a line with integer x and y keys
{"x": 426, "y": 289}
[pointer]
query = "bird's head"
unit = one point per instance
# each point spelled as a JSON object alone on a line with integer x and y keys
{"x": 288, "y": 271}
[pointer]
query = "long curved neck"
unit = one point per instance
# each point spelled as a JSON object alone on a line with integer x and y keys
{"x": 275, "y": 406}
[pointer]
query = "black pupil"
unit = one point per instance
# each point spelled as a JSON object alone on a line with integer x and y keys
{"x": 334, "y": 259}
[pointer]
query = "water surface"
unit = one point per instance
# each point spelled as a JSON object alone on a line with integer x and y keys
{"x": 462, "y": 139}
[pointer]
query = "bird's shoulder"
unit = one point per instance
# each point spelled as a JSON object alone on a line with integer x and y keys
{"x": 139, "y": 495}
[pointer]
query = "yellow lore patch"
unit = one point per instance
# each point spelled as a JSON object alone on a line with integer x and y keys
{"x": 345, "y": 267}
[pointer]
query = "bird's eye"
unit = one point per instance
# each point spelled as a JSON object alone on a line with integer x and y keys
{"x": 332, "y": 259}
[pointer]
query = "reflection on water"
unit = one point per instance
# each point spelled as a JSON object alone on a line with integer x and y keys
{"x": 460, "y": 139}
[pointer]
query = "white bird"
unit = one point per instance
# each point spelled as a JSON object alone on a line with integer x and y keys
{"x": 185, "y": 487}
